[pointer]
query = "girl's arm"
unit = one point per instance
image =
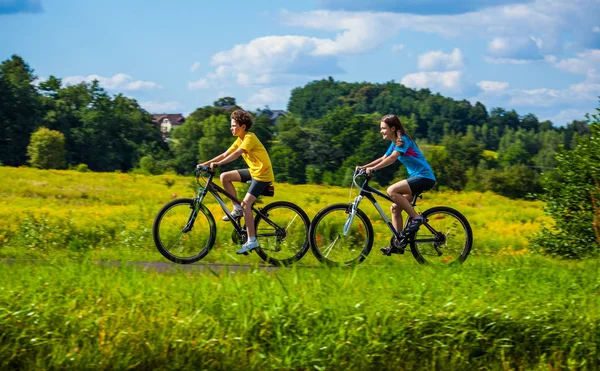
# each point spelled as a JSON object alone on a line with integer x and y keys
{"x": 387, "y": 161}
{"x": 373, "y": 163}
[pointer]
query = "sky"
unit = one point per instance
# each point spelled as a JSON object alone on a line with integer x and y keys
{"x": 540, "y": 56}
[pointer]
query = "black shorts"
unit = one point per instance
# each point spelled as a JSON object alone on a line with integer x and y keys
{"x": 419, "y": 185}
{"x": 256, "y": 187}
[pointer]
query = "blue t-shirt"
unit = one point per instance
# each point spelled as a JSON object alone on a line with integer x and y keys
{"x": 412, "y": 158}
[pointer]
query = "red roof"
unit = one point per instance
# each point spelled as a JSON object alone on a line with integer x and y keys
{"x": 174, "y": 118}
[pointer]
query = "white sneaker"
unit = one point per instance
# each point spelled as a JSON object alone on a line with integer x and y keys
{"x": 236, "y": 213}
{"x": 248, "y": 246}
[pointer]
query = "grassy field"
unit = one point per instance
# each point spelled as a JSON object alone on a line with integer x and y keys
{"x": 510, "y": 313}
{"x": 506, "y": 308}
{"x": 49, "y": 214}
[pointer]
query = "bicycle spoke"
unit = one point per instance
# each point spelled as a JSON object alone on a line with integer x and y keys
{"x": 330, "y": 247}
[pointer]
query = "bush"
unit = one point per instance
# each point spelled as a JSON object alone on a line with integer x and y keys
{"x": 82, "y": 168}
{"x": 572, "y": 195}
{"x": 46, "y": 149}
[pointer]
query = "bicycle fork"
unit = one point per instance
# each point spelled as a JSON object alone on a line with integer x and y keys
{"x": 351, "y": 214}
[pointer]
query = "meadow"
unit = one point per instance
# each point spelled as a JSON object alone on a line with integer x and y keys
{"x": 53, "y": 213}
{"x": 506, "y": 308}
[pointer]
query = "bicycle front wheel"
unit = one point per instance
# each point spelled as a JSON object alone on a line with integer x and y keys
{"x": 282, "y": 231}
{"x": 331, "y": 245}
{"x": 446, "y": 237}
{"x": 184, "y": 233}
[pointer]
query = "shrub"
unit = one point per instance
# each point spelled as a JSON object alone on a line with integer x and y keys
{"x": 572, "y": 195}
{"x": 46, "y": 149}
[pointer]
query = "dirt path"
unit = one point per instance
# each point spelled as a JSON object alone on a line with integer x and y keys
{"x": 164, "y": 266}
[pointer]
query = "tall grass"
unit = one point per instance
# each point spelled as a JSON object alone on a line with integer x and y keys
{"x": 51, "y": 213}
{"x": 509, "y": 313}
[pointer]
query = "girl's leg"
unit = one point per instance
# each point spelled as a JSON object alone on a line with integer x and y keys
{"x": 398, "y": 192}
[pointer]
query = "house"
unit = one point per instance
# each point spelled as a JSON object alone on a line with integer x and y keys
{"x": 272, "y": 114}
{"x": 168, "y": 121}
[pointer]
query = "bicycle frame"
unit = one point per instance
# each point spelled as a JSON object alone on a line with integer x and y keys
{"x": 367, "y": 191}
{"x": 214, "y": 190}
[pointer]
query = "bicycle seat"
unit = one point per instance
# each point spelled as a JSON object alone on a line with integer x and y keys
{"x": 269, "y": 191}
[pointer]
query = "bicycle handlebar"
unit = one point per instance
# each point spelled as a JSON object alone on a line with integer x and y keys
{"x": 200, "y": 169}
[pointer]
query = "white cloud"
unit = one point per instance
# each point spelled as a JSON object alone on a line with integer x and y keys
{"x": 160, "y": 107}
{"x": 275, "y": 98}
{"x": 493, "y": 87}
{"x": 506, "y": 60}
{"x": 273, "y": 60}
{"x": 567, "y": 116}
{"x": 199, "y": 84}
{"x": 578, "y": 95}
{"x": 596, "y": 29}
{"x": 587, "y": 63}
{"x": 436, "y": 60}
{"x": 439, "y": 72}
{"x": 396, "y": 48}
{"x": 119, "y": 81}
{"x": 516, "y": 32}
{"x": 515, "y": 49}
{"x": 195, "y": 66}
{"x": 444, "y": 81}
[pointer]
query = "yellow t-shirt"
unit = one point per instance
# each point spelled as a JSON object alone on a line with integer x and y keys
{"x": 256, "y": 156}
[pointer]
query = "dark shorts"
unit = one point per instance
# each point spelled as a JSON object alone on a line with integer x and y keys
{"x": 256, "y": 187}
{"x": 419, "y": 185}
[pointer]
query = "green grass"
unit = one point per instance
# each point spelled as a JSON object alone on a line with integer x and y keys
{"x": 509, "y": 313}
{"x": 67, "y": 214}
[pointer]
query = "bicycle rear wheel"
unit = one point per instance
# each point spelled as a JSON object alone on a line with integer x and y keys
{"x": 283, "y": 234}
{"x": 446, "y": 237}
{"x": 331, "y": 246}
{"x": 184, "y": 233}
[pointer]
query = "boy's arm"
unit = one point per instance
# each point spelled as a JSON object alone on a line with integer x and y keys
{"x": 216, "y": 159}
{"x": 387, "y": 161}
{"x": 228, "y": 158}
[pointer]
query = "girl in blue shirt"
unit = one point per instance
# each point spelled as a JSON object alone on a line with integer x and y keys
{"x": 421, "y": 177}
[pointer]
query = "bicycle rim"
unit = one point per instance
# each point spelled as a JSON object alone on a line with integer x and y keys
{"x": 283, "y": 237}
{"x": 445, "y": 239}
{"x": 180, "y": 239}
{"x": 329, "y": 242}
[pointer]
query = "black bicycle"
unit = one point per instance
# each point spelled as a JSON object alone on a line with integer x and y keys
{"x": 342, "y": 234}
{"x": 185, "y": 231}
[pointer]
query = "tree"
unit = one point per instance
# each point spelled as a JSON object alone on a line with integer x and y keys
{"x": 46, "y": 149}
{"x": 20, "y": 110}
{"x": 572, "y": 195}
{"x": 225, "y": 101}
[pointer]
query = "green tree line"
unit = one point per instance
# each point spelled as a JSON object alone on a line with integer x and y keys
{"x": 331, "y": 127}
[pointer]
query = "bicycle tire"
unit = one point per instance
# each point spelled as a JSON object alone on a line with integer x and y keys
{"x": 322, "y": 232}
{"x": 284, "y": 248}
{"x": 448, "y": 252}
{"x": 168, "y": 231}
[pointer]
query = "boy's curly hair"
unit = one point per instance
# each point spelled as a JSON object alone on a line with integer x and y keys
{"x": 242, "y": 118}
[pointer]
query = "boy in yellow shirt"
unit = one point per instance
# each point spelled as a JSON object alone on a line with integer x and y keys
{"x": 259, "y": 171}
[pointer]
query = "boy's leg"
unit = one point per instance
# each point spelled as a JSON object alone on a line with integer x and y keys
{"x": 255, "y": 190}
{"x": 252, "y": 242}
{"x": 248, "y": 217}
{"x": 227, "y": 178}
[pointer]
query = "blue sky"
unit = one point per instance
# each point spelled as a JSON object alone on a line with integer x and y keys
{"x": 540, "y": 57}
